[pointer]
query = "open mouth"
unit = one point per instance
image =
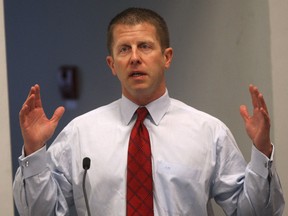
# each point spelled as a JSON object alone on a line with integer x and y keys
{"x": 136, "y": 74}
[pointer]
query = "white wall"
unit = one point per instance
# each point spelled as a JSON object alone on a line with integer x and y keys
{"x": 279, "y": 56}
{"x": 6, "y": 202}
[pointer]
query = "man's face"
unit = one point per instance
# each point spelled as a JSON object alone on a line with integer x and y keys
{"x": 139, "y": 62}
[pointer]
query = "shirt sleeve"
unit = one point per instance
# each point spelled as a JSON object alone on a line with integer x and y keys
{"x": 34, "y": 184}
{"x": 245, "y": 189}
{"x": 262, "y": 188}
{"x": 242, "y": 189}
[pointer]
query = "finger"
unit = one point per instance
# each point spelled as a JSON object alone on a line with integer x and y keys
{"x": 262, "y": 103}
{"x": 58, "y": 114}
{"x": 265, "y": 115}
{"x": 29, "y": 103}
{"x": 23, "y": 112}
{"x": 38, "y": 102}
{"x": 254, "y": 96}
{"x": 244, "y": 113}
{"x": 30, "y": 92}
{"x": 28, "y": 100}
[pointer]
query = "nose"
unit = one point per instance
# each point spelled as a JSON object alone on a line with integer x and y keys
{"x": 135, "y": 58}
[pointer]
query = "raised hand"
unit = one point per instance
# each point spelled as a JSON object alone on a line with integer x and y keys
{"x": 36, "y": 128}
{"x": 258, "y": 125}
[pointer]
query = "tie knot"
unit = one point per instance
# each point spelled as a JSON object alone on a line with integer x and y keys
{"x": 141, "y": 113}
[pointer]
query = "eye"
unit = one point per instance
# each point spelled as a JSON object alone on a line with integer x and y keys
{"x": 145, "y": 46}
{"x": 124, "y": 49}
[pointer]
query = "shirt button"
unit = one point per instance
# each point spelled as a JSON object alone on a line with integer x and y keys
{"x": 26, "y": 163}
{"x": 269, "y": 164}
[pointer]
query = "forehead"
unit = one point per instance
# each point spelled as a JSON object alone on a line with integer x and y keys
{"x": 134, "y": 32}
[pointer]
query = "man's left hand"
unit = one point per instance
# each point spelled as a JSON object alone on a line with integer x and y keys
{"x": 258, "y": 125}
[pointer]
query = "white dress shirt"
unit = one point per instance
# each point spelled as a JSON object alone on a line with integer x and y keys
{"x": 194, "y": 157}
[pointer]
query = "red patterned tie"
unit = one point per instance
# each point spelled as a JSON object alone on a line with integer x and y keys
{"x": 139, "y": 171}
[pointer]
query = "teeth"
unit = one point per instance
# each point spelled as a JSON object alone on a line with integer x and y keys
{"x": 136, "y": 74}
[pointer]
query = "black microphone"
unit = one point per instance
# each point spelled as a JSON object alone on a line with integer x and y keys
{"x": 86, "y": 166}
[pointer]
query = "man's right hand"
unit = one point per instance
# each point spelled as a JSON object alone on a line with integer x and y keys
{"x": 36, "y": 128}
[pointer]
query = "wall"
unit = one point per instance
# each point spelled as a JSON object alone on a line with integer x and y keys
{"x": 220, "y": 48}
{"x": 6, "y": 201}
{"x": 279, "y": 55}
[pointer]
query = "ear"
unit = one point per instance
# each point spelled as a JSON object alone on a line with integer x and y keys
{"x": 168, "y": 55}
{"x": 110, "y": 63}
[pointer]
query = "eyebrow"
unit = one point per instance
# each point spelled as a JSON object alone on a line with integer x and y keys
{"x": 138, "y": 43}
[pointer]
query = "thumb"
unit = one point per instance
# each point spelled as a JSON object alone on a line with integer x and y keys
{"x": 244, "y": 112}
{"x": 58, "y": 114}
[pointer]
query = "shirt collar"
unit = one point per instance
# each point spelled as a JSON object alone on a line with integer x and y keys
{"x": 157, "y": 109}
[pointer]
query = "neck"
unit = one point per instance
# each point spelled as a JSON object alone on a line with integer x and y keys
{"x": 144, "y": 99}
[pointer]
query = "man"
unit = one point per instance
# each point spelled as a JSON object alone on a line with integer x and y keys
{"x": 194, "y": 157}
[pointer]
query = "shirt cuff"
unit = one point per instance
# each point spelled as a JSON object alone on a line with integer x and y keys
{"x": 33, "y": 164}
{"x": 260, "y": 163}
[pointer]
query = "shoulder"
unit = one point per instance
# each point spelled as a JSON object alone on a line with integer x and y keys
{"x": 100, "y": 115}
{"x": 182, "y": 112}
{"x": 199, "y": 121}
{"x": 184, "y": 109}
